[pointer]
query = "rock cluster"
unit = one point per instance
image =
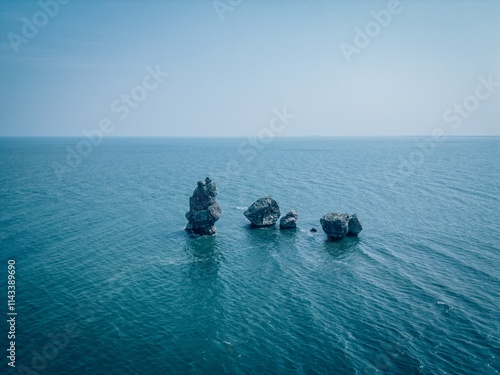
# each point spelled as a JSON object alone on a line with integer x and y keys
{"x": 338, "y": 226}
{"x": 289, "y": 220}
{"x": 263, "y": 212}
{"x": 204, "y": 211}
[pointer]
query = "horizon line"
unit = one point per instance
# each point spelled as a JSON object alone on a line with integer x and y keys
{"x": 250, "y": 136}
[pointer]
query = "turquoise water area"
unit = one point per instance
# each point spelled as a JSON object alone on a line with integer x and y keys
{"x": 108, "y": 282}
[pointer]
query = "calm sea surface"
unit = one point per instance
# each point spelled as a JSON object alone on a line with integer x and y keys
{"x": 108, "y": 282}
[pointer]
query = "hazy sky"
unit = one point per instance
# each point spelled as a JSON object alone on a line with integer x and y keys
{"x": 230, "y": 67}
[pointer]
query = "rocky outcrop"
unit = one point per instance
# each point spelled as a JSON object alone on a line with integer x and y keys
{"x": 263, "y": 212}
{"x": 289, "y": 220}
{"x": 204, "y": 211}
{"x": 338, "y": 226}
{"x": 335, "y": 225}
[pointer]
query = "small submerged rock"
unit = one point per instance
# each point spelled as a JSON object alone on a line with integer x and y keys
{"x": 204, "y": 211}
{"x": 289, "y": 220}
{"x": 314, "y": 230}
{"x": 263, "y": 212}
{"x": 337, "y": 226}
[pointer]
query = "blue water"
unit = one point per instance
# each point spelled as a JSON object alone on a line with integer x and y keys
{"x": 108, "y": 282}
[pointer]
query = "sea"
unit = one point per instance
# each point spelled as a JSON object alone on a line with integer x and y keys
{"x": 108, "y": 281}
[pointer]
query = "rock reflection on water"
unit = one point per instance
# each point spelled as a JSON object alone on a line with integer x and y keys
{"x": 205, "y": 300}
{"x": 205, "y": 260}
{"x": 341, "y": 248}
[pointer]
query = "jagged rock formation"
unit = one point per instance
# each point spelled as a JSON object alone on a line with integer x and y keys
{"x": 337, "y": 226}
{"x": 263, "y": 212}
{"x": 289, "y": 220}
{"x": 204, "y": 211}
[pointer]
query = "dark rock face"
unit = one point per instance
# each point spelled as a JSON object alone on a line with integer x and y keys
{"x": 354, "y": 226}
{"x": 337, "y": 226}
{"x": 204, "y": 211}
{"x": 263, "y": 212}
{"x": 289, "y": 220}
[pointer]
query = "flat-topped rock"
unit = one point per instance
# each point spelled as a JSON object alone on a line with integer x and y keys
{"x": 263, "y": 212}
{"x": 338, "y": 226}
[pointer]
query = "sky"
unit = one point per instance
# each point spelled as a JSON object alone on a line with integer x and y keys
{"x": 228, "y": 67}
